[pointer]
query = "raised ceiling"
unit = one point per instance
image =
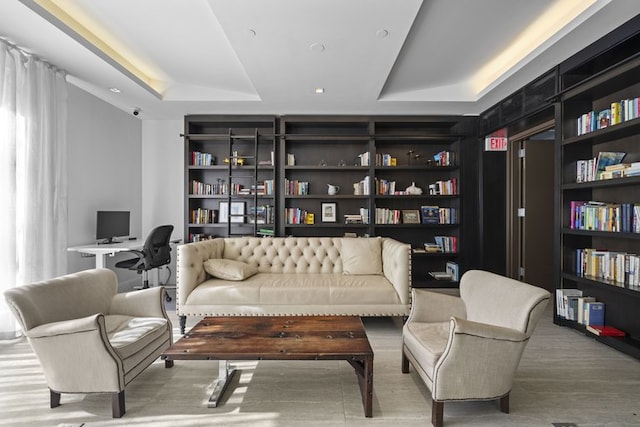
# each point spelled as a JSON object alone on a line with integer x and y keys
{"x": 175, "y": 57}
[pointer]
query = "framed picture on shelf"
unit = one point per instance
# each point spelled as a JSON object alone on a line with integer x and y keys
{"x": 329, "y": 212}
{"x": 237, "y": 208}
{"x": 411, "y": 216}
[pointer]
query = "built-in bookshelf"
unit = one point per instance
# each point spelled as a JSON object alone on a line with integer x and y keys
{"x": 599, "y": 206}
{"x": 230, "y": 186}
{"x": 393, "y": 176}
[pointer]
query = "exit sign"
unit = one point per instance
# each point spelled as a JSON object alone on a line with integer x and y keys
{"x": 495, "y": 143}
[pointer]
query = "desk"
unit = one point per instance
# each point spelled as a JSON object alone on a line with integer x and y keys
{"x": 101, "y": 251}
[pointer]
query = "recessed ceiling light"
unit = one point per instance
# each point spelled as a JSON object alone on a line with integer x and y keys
{"x": 382, "y": 33}
{"x": 115, "y": 90}
{"x": 252, "y": 32}
{"x": 317, "y": 47}
{"x": 319, "y": 90}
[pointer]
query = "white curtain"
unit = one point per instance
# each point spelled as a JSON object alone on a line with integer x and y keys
{"x": 33, "y": 187}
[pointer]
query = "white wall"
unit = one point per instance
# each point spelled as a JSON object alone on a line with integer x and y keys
{"x": 163, "y": 181}
{"x": 105, "y": 173}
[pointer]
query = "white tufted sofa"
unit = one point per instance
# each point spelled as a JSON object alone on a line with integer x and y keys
{"x": 296, "y": 276}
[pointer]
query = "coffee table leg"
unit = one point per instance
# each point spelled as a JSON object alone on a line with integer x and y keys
{"x": 364, "y": 372}
{"x": 225, "y": 376}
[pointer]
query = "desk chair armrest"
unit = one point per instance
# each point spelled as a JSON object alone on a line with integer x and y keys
{"x": 141, "y": 259}
{"x": 141, "y": 303}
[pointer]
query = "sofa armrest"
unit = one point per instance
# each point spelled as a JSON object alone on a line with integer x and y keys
{"x": 429, "y": 306}
{"x": 396, "y": 263}
{"x": 141, "y": 303}
{"x": 190, "y": 266}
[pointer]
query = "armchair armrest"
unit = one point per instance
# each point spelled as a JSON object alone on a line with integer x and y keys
{"x": 140, "y": 303}
{"x": 67, "y": 347}
{"x": 478, "y": 360}
{"x": 429, "y": 306}
{"x": 65, "y": 327}
{"x": 484, "y": 330}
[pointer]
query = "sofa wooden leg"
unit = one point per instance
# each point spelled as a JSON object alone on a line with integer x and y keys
{"x": 54, "y": 398}
{"x": 168, "y": 363}
{"x": 117, "y": 404}
{"x": 504, "y": 403}
{"x": 405, "y": 363}
{"x": 437, "y": 413}
{"x": 183, "y": 324}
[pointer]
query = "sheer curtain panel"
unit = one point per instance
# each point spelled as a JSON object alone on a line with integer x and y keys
{"x": 33, "y": 173}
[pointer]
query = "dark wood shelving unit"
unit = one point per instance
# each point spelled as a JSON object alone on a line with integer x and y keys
{"x": 592, "y": 86}
{"x": 332, "y": 139}
{"x": 254, "y": 139}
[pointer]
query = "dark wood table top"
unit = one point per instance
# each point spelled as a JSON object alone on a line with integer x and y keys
{"x": 273, "y": 338}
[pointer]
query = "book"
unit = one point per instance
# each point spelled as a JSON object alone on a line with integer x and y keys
{"x": 582, "y": 301}
{"x": 562, "y": 295}
{"x": 440, "y": 275}
{"x": 594, "y": 314}
{"x": 452, "y": 269}
{"x": 607, "y": 158}
{"x": 430, "y": 214}
{"x": 605, "y": 331}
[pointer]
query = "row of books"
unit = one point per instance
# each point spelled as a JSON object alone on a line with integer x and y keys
{"x": 619, "y": 111}
{"x": 388, "y": 216}
{"x": 295, "y": 187}
{"x": 585, "y": 310}
{"x": 620, "y": 268}
{"x": 261, "y": 214}
{"x": 263, "y": 188}
{"x": 445, "y": 158}
{"x": 199, "y": 188}
{"x": 448, "y": 187}
{"x": 202, "y": 159}
{"x": 438, "y": 215}
{"x": 297, "y": 216}
{"x": 604, "y": 216}
{"x": 384, "y": 159}
{"x": 364, "y": 159}
{"x": 592, "y": 169}
{"x": 446, "y": 244}
{"x": 203, "y": 216}
{"x": 621, "y": 170}
{"x": 451, "y": 273}
{"x": 198, "y": 237}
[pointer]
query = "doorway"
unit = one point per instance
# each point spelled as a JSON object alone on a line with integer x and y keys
{"x": 530, "y": 204}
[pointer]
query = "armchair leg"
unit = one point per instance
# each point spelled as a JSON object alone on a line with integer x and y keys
{"x": 504, "y": 403}
{"x": 437, "y": 413}
{"x": 168, "y": 363}
{"x": 405, "y": 363}
{"x": 117, "y": 404}
{"x": 54, "y": 398}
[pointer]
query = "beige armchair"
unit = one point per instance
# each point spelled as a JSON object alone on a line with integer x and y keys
{"x": 89, "y": 338}
{"x": 469, "y": 347}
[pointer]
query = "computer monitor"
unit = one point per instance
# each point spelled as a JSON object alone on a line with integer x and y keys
{"x": 111, "y": 224}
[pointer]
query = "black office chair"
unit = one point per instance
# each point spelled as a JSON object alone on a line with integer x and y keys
{"x": 155, "y": 253}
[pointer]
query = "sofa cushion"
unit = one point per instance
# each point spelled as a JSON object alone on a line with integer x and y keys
{"x": 228, "y": 269}
{"x": 362, "y": 255}
{"x": 129, "y": 335}
{"x": 297, "y": 289}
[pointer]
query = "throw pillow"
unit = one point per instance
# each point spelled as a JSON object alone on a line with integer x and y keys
{"x": 362, "y": 255}
{"x": 229, "y": 269}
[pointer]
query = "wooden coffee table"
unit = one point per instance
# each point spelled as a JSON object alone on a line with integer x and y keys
{"x": 278, "y": 338}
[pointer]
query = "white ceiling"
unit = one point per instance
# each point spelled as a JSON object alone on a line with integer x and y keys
{"x": 267, "y": 57}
